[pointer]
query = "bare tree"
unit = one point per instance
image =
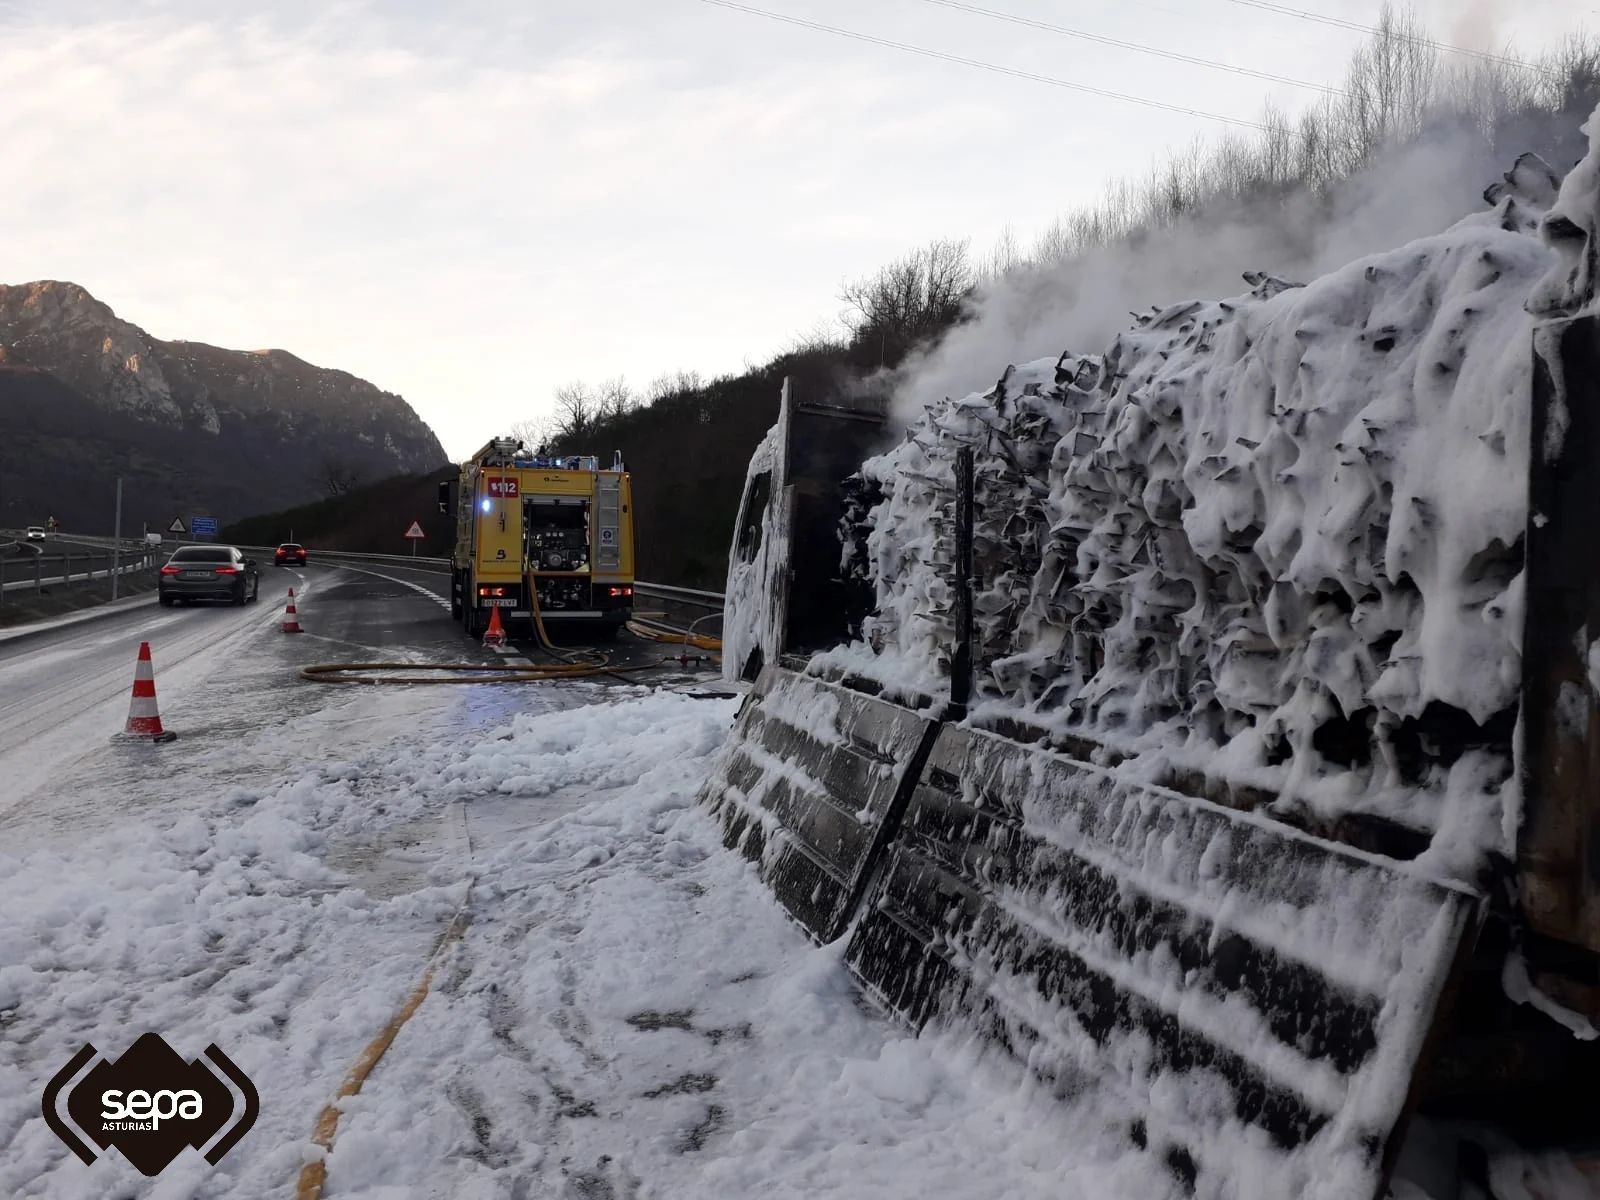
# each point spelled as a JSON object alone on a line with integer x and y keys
{"x": 533, "y": 432}
{"x": 1053, "y": 245}
{"x": 822, "y": 338}
{"x": 575, "y": 411}
{"x": 613, "y": 399}
{"x": 1004, "y": 257}
{"x": 910, "y": 299}
{"x": 673, "y": 383}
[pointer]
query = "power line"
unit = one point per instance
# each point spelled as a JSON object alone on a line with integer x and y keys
{"x": 1140, "y": 48}
{"x": 1414, "y": 39}
{"x": 986, "y": 66}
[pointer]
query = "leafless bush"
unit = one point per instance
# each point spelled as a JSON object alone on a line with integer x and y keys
{"x": 672, "y": 383}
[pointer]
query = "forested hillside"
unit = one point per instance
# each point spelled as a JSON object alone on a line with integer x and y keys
{"x": 1410, "y": 135}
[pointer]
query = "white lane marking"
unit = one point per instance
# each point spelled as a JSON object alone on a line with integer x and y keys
{"x": 442, "y": 601}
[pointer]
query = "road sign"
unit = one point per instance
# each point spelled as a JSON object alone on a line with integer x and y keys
{"x": 415, "y": 531}
{"x": 203, "y": 526}
{"x": 177, "y": 526}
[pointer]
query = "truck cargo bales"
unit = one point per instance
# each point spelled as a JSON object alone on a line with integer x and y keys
{"x": 1259, "y": 798}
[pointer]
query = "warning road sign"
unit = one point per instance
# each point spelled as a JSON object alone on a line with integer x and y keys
{"x": 177, "y": 526}
{"x": 415, "y": 531}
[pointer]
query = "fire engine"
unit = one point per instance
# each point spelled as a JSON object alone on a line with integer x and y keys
{"x": 535, "y": 528}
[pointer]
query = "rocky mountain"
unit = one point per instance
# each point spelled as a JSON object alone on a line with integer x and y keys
{"x": 86, "y": 396}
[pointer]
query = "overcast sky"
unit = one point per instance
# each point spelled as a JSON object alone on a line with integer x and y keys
{"x": 472, "y": 203}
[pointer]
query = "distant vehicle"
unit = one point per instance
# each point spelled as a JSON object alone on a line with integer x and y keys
{"x": 152, "y": 539}
{"x": 208, "y": 573}
{"x": 290, "y": 552}
{"x": 35, "y": 533}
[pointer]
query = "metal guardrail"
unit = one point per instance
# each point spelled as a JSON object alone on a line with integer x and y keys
{"x": 38, "y": 580}
{"x": 691, "y": 596}
{"x": 694, "y": 597}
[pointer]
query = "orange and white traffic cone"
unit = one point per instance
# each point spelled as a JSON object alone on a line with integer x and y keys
{"x": 144, "y": 718}
{"x": 291, "y": 621}
{"x": 495, "y": 635}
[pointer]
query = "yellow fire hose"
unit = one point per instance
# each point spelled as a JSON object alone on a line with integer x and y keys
{"x": 314, "y": 1175}
{"x": 576, "y": 664}
{"x": 656, "y": 631}
{"x": 570, "y": 664}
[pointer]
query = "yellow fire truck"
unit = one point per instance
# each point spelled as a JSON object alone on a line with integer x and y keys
{"x": 555, "y": 529}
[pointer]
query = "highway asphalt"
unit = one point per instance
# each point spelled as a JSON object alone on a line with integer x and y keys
{"x": 227, "y": 672}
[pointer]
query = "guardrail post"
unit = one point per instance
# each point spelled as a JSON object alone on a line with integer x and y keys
{"x": 38, "y": 583}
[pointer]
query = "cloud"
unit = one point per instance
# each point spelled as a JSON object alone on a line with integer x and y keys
{"x": 379, "y": 207}
{"x": 472, "y": 205}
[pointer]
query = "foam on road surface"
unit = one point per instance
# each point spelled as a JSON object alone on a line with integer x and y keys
{"x": 628, "y": 1013}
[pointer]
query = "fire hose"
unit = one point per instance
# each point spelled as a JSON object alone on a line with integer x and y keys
{"x": 570, "y": 664}
{"x": 314, "y": 1174}
{"x": 655, "y": 631}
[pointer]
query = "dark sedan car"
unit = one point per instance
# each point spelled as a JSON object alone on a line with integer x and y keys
{"x": 290, "y": 552}
{"x": 208, "y": 573}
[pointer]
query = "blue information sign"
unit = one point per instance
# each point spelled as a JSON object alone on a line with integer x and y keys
{"x": 203, "y": 526}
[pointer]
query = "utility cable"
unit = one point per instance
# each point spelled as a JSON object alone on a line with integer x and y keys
{"x": 982, "y": 65}
{"x": 1414, "y": 39}
{"x": 1138, "y": 47}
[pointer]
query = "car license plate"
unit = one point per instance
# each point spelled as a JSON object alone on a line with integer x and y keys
{"x": 197, "y": 574}
{"x": 498, "y": 603}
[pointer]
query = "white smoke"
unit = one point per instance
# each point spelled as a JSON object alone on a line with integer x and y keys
{"x": 1476, "y": 25}
{"x": 1082, "y": 303}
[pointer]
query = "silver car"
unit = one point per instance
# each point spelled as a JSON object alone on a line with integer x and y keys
{"x": 208, "y": 573}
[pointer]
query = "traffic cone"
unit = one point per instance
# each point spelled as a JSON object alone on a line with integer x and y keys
{"x": 495, "y": 635}
{"x": 144, "y": 719}
{"x": 291, "y": 622}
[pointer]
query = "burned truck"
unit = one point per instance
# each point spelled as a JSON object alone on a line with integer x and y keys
{"x": 1213, "y": 723}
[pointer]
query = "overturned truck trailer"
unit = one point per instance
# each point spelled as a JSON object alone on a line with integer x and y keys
{"x": 1214, "y": 724}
